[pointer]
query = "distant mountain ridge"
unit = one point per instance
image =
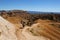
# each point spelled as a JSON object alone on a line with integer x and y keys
{"x": 31, "y": 12}
{"x": 38, "y": 12}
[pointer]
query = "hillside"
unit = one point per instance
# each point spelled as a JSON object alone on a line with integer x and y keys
{"x": 9, "y": 32}
{"x": 21, "y": 25}
{"x": 38, "y": 31}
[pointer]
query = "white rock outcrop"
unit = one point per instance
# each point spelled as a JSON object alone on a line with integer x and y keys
{"x": 7, "y": 30}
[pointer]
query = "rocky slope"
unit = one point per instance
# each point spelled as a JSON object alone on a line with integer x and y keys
{"x": 9, "y": 32}
{"x": 38, "y": 31}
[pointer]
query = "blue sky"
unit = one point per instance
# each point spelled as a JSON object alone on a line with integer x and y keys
{"x": 31, "y": 5}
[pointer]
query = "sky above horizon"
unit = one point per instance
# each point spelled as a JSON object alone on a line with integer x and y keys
{"x": 31, "y": 5}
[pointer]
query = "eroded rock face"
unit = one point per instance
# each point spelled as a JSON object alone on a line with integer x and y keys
{"x": 8, "y": 31}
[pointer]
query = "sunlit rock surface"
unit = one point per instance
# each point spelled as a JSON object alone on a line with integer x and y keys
{"x": 7, "y": 30}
